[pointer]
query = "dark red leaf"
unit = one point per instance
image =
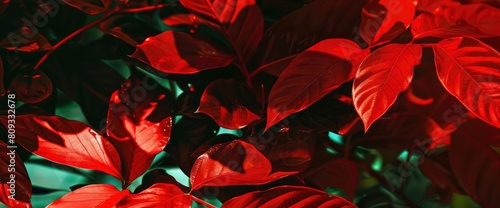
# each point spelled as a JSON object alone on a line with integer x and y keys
{"x": 437, "y": 168}
{"x": 381, "y": 77}
{"x": 241, "y": 21}
{"x": 477, "y": 167}
{"x": 229, "y": 103}
{"x": 274, "y": 68}
{"x": 305, "y": 27}
{"x": 181, "y": 53}
{"x": 288, "y": 196}
{"x": 311, "y": 75}
{"x": 139, "y": 125}
{"x": 32, "y": 87}
{"x": 403, "y": 131}
{"x": 66, "y": 142}
{"x": 128, "y": 29}
{"x": 14, "y": 179}
{"x": 288, "y": 149}
{"x": 159, "y": 195}
{"x": 340, "y": 173}
{"x": 478, "y": 129}
{"x": 474, "y": 20}
{"x": 383, "y": 20}
{"x": 95, "y": 195}
{"x": 3, "y": 5}
{"x": 90, "y": 6}
{"x": 232, "y": 163}
{"x": 468, "y": 69}
{"x": 2, "y": 87}
{"x": 26, "y": 40}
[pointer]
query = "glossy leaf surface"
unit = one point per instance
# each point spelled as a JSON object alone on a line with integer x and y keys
{"x": 474, "y": 20}
{"x": 95, "y": 195}
{"x": 468, "y": 69}
{"x": 383, "y": 20}
{"x": 288, "y": 196}
{"x": 139, "y": 125}
{"x": 381, "y": 77}
{"x": 311, "y": 75}
{"x": 158, "y": 195}
{"x": 66, "y": 142}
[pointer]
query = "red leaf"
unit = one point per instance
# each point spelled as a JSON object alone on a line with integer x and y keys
{"x": 486, "y": 134}
{"x": 311, "y": 75}
{"x": 468, "y": 69}
{"x": 241, "y": 21}
{"x": 95, "y": 195}
{"x": 288, "y": 196}
{"x": 228, "y": 103}
{"x": 159, "y": 195}
{"x": 339, "y": 173}
{"x": 90, "y": 6}
{"x": 232, "y": 163}
{"x": 179, "y": 20}
{"x": 381, "y": 77}
{"x": 437, "y": 169}
{"x": 305, "y": 27}
{"x": 181, "y": 53}
{"x": 383, "y": 20}
{"x": 2, "y": 88}
{"x": 433, "y": 6}
{"x": 66, "y": 142}
{"x": 139, "y": 125}
{"x": 31, "y": 87}
{"x": 274, "y": 68}
{"x": 14, "y": 179}
{"x": 477, "y": 167}
{"x": 474, "y": 20}
{"x": 27, "y": 39}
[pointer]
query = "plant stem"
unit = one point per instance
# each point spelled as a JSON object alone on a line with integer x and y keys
{"x": 202, "y": 202}
{"x": 144, "y": 9}
{"x": 72, "y": 35}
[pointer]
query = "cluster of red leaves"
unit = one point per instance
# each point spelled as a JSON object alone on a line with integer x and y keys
{"x": 323, "y": 66}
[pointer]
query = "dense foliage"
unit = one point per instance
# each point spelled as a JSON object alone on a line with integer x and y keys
{"x": 250, "y": 103}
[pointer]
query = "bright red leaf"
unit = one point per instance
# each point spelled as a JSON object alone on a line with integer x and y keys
{"x": 381, "y": 77}
{"x": 67, "y": 142}
{"x": 468, "y": 69}
{"x": 476, "y": 167}
{"x": 232, "y": 163}
{"x": 383, "y": 20}
{"x": 474, "y": 20}
{"x": 139, "y": 125}
{"x": 288, "y": 196}
{"x": 311, "y": 75}
{"x": 307, "y": 26}
{"x": 228, "y": 103}
{"x": 158, "y": 195}
{"x": 241, "y": 21}
{"x": 181, "y": 53}
{"x": 14, "y": 179}
{"x": 95, "y": 195}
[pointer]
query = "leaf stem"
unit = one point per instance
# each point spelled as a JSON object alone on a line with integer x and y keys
{"x": 72, "y": 35}
{"x": 144, "y": 9}
{"x": 202, "y": 202}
